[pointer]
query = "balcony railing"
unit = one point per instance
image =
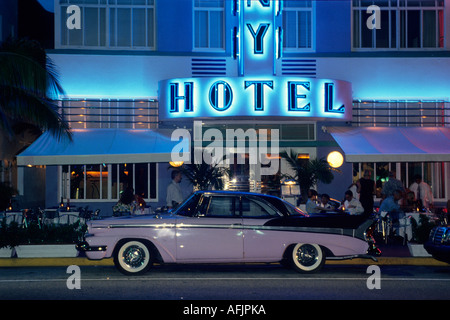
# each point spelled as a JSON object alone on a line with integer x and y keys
{"x": 401, "y": 113}
{"x": 132, "y": 114}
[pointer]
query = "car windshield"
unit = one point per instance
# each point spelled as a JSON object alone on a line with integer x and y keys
{"x": 285, "y": 207}
{"x": 293, "y": 210}
{"x": 188, "y": 207}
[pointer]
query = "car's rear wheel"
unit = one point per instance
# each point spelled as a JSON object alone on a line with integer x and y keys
{"x": 133, "y": 257}
{"x": 306, "y": 257}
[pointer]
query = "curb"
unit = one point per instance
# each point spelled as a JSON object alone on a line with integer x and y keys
{"x": 386, "y": 261}
{"x": 64, "y": 262}
{"x": 53, "y": 262}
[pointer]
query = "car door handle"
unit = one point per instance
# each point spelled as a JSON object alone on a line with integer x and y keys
{"x": 236, "y": 224}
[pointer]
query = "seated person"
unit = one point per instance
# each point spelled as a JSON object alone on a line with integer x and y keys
{"x": 409, "y": 202}
{"x": 352, "y": 205}
{"x": 325, "y": 205}
{"x": 311, "y": 205}
{"x": 391, "y": 207}
{"x": 126, "y": 203}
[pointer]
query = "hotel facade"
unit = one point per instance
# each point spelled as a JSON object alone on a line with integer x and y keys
{"x": 369, "y": 79}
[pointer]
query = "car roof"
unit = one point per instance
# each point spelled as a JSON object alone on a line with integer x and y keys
{"x": 236, "y": 193}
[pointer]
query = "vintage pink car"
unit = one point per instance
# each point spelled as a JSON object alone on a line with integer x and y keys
{"x": 221, "y": 226}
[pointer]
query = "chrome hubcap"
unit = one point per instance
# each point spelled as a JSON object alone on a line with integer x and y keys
{"x": 134, "y": 256}
{"x": 307, "y": 255}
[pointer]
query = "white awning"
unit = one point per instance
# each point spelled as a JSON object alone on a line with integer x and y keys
{"x": 393, "y": 144}
{"x": 97, "y": 146}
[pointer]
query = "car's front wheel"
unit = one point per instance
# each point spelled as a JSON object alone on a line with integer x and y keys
{"x": 306, "y": 257}
{"x": 133, "y": 257}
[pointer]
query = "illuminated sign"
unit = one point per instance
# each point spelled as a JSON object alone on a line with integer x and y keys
{"x": 257, "y": 37}
{"x": 257, "y": 92}
{"x": 250, "y": 97}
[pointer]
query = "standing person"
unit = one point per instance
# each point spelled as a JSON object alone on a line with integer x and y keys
{"x": 366, "y": 190}
{"x": 354, "y": 189}
{"x": 422, "y": 191}
{"x": 174, "y": 193}
{"x": 391, "y": 185}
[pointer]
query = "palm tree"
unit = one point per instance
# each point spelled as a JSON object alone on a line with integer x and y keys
{"x": 28, "y": 87}
{"x": 308, "y": 173}
{"x": 205, "y": 176}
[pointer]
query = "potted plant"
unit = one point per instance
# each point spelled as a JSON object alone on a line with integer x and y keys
{"x": 10, "y": 235}
{"x": 40, "y": 240}
{"x": 308, "y": 173}
{"x": 49, "y": 240}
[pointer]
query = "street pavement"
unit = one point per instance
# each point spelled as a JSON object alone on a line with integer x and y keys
{"x": 392, "y": 254}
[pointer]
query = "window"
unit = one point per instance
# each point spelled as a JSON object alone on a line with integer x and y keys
{"x": 220, "y": 206}
{"x": 298, "y": 131}
{"x": 297, "y": 25}
{"x": 301, "y": 131}
{"x": 433, "y": 173}
{"x": 403, "y": 24}
{"x": 209, "y": 24}
{"x": 121, "y": 24}
{"x": 257, "y": 208}
{"x": 106, "y": 181}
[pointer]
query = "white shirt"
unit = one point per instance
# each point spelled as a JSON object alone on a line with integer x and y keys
{"x": 174, "y": 193}
{"x": 353, "y": 206}
{"x": 425, "y": 193}
{"x": 312, "y": 207}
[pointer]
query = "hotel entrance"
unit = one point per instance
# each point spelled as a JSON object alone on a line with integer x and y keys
{"x": 255, "y": 152}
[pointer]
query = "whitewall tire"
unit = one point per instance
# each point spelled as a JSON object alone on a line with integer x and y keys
{"x": 133, "y": 257}
{"x": 307, "y": 258}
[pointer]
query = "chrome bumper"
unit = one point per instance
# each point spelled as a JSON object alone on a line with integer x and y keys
{"x": 83, "y": 246}
{"x": 354, "y": 256}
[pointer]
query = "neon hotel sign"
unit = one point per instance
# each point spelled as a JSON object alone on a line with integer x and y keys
{"x": 253, "y": 93}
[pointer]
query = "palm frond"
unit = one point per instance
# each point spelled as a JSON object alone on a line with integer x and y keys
{"x": 205, "y": 176}
{"x": 308, "y": 173}
{"x": 28, "y": 85}
{"x": 21, "y": 105}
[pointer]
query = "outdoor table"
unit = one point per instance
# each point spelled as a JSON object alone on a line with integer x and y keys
{"x": 50, "y": 216}
{"x": 416, "y": 215}
{"x": 405, "y": 225}
{"x": 141, "y": 211}
{"x": 69, "y": 217}
{"x": 51, "y": 213}
{"x": 404, "y": 228}
{"x": 13, "y": 216}
{"x": 55, "y": 216}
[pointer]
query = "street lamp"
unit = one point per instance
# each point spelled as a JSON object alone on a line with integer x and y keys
{"x": 335, "y": 159}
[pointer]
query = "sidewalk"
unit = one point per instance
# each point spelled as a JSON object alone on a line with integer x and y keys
{"x": 392, "y": 254}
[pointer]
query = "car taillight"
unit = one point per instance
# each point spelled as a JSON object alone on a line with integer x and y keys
{"x": 373, "y": 250}
{"x": 370, "y": 231}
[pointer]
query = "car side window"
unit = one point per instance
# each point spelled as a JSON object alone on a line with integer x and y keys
{"x": 257, "y": 208}
{"x": 219, "y": 206}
